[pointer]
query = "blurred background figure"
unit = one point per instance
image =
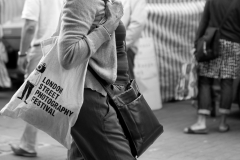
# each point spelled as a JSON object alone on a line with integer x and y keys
{"x": 41, "y": 20}
{"x": 226, "y": 67}
{"x": 134, "y": 19}
{"x": 5, "y": 81}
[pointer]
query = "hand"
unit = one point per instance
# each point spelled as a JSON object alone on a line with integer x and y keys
{"x": 114, "y": 12}
{"x": 193, "y": 51}
{"x": 22, "y": 64}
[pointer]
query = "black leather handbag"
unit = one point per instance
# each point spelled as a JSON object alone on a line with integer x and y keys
{"x": 207, "y": 46}
{"x": 140, "y": 124}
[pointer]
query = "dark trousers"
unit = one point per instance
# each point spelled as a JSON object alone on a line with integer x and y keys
{"x": 131, "y": 56}
{"x": 28, "y": 88}
{"x": 205, "y": 95}
{"x": 97, "y": 132}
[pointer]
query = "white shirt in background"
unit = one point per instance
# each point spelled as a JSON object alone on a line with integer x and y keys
{"x": 134, "y": 19}
{"x": 46, "y": 13}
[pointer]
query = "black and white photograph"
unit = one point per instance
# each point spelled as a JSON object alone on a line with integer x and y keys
{"x": 119, "y": 79}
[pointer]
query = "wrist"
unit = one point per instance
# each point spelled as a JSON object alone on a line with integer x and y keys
{"x": 20, "y": 54}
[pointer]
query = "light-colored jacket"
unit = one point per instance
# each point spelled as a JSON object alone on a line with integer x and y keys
{"x": 134, "y": 19}
{"x": 77, "y": 43}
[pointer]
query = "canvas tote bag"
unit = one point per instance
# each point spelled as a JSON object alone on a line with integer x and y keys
{"x": 51, "y": 97}
{"x": 187, "y": 85}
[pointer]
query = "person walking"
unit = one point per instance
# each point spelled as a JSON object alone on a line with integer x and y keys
{"x": 92, "y": 30}
{"x": 40, "y": 22}
{"x": 225, "y": 67}
{"x": 134, "y": 19}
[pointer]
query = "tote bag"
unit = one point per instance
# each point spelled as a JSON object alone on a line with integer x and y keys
{"x": 187, "y": 84}
{"x": 51, "y": 97}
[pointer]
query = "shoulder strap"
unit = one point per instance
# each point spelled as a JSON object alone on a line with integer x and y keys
{"x": 228, "y": 12}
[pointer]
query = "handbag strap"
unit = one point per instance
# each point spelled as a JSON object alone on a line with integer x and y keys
{"x": 228, "y": 12}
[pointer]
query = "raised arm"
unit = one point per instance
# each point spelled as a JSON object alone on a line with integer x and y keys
{"x": 76, "y": 43}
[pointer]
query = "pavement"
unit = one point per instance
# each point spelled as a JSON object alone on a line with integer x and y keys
{"x": 173, "y": 144}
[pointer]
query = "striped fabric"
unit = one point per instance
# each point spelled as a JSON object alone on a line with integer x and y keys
{"x": 173, "y": 27}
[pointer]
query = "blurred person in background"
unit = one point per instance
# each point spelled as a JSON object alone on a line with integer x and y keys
{"x": 226, "y": 67}
{"x": 134, "y": 19}
{"x": 40, "y": 22}
{"x": 5, "y": 81}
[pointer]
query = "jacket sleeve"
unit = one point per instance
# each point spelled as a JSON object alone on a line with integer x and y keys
{"x": 203, "y": 22}
{"x": 137, "y": 21}
{"x": 75, "y": 43}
